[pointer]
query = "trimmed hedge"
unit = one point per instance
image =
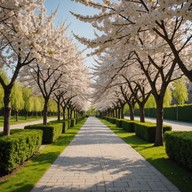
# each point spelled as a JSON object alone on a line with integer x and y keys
{"x": 178, "y": 147}
{"x": 50, "y": 131}
{"x": 64, "y": 123}
{"x": 184, "y": 113}
{"x": 147, "y": 130}
{"x": 118, "y": 123}
{"x": 17, "y": 148}
{"x": 128, "y": 125}
{"x": 111, "y": 119}
{"x": 170, "y": 113}
{"x": 180, "y": 113}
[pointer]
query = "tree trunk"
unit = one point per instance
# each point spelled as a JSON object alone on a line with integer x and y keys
{"x": 109, "y": 112}
{"x": 131, "y": 111}
{"x": 118, "y": 113}
{"x": 45, "y": 109}
{"x": 115, "y": 112}
{"x": 63, "y": 113}
{"x": 159, "y": 124}
{"x": 58, "y": 111}
{"x": 122, "y": 111}
{"x": 68, "y": 111}
{"x": 26, "y": 115}
{"x": 142, "y": 113}
{"x": 7, "y": 111}
{"x": 74, "y": 114}
{"x": 71, "y": 113}
{"x": 16, "y": 115}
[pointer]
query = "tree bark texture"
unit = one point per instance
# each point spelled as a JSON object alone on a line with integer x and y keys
{"x": 63, "y": 113}
{"x": 131, "y": 112}
{"x": 159, "y": 125}
{"x": 7, "y": 111}
{"x": 45, "y": 109}
{"x": 142, "y": 113}
{"x": 58, "y": 111}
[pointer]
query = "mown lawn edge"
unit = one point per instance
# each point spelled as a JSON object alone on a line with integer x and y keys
{"x": 156, "y": 156}
{"x": 26, "y": 178}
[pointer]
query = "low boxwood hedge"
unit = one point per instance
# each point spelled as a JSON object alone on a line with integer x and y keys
{"x": 179, "y": 147}
{"x": 64, "y": 123}
{"x": 147, "y": 130}
{"x": 118, "y": 123}
{"x": 50, "y": 131}
{"x": 128, "y": 125}
{"x": 17, "y": 148}
{"x": 111, "y": 119}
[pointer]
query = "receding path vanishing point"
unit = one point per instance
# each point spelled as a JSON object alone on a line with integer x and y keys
{"x": 98, "y": 160}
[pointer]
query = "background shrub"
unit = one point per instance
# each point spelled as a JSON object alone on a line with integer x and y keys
{"x": 17, "y": 148}
{"x": 184, "y": 113}
{"x": 178, "y": 147}
{"x": 180, "y": 113}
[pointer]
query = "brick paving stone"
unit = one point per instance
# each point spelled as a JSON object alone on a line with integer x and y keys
{"x": 99, "y": 161}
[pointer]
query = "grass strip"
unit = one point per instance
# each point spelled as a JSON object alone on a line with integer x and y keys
{"x": 26, "y": 178}
{"x": 20, "y": 120}
{"x": 156, "y": 156}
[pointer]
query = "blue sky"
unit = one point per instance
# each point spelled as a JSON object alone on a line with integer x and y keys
{"x": 78, "y": 27}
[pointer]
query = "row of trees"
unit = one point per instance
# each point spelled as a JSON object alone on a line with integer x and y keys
{"x": 22, "y": 99}
{"x": 41, "y": 56}
{"x": 142, "y": 47}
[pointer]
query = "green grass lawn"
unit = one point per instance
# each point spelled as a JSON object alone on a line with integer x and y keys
{"x": 20, "y": 120}
{"x": 157, "y": 156}
{"x": 25, "y": 178}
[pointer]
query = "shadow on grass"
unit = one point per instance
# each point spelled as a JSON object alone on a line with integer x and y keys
{"x": 157, "y": 156}
{"x": 176, "y": 173}
{"x": 20, "y": 186}
{"x": 27, "y": 176}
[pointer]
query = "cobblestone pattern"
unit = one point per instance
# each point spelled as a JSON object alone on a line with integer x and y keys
{"x": 99, "y": 161}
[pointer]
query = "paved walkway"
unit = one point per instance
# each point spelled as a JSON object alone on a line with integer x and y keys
{"x": 98, "y": 160}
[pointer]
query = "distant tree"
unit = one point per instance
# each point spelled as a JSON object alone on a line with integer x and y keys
{"x": 168, "y": 98}
{"x": 4, "y": 77}
{"x": 52, "y": 106}
{"x": 180, "y": 92}
{"x": 27, "y": 100}
{"x": 91, "y": 111}
{"x": 37, "y": 104}
{"x": 150, "y": 102}
{"x": 126, "y": 109}
{"x": 17, "y": 102}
